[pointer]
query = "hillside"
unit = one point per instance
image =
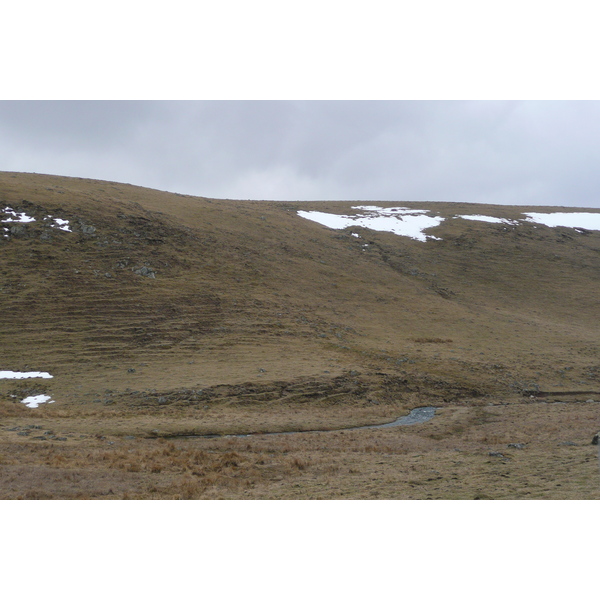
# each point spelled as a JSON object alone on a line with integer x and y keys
{"x": 159, "y": 313}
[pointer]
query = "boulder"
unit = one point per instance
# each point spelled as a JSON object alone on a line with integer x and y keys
{"x": 87, "y": 229}
{"x": 19, "y": 231}
{"x": 145, "y": 272}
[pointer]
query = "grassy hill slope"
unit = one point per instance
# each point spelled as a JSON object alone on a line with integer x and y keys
{"x": 164, "y": 313}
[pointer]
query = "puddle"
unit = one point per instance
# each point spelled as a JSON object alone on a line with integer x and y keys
{"x": 19, "y": 375}
{"x": 35, "y": 401}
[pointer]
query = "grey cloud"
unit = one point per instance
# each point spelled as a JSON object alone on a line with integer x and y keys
{"x": 94, "y": 125}
{"x": 479, "y": 151}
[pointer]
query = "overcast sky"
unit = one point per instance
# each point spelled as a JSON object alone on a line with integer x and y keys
{"x": 505, "y": 152}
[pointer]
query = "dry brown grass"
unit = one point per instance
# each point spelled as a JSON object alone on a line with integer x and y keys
{"x": 464, "y": 453}
{"x": 260, "y": 321}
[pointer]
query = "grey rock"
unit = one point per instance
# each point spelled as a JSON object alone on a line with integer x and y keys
{"x": 131, "y": 370}
{"x": 567, "y": 444}
{"x": 595, "y": 439}
{"x": 145, "y": 272}
{"x": 23, "y": 432}
{"x": 162, "y": 400}
{"x": 60, "y": 439}
{"x": 18, "y": 231}
{"x": 496, "y": 454}
{"x": 518, "y": 446}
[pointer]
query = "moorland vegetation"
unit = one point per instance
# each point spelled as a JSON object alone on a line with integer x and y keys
{"x": 163, "y": 316}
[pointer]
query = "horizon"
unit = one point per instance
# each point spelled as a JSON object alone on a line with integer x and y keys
{"x": 516, "y": 153}
{"x": 567, "y": 208}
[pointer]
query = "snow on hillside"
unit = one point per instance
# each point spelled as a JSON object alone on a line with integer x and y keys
{"x": 35, "y": 401}
{"x": 15, "y": 217}
{"x": 58, "y": 223}
{"x": 19, "y": 375}
{"x": 412, "y": 223}
{"x": 9, "y": 215}
{"x": 486, "y": 219}
{"x": 401, "y": 221}
{"x": 579, "y": 220}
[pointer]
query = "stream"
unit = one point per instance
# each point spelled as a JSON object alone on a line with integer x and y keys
{"x": 417, "y": 415}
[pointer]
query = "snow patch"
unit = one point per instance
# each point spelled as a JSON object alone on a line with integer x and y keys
{"x": 398, "y": 220}
{"x": 61, "y": 224}
{"x": 9, "y": 215}
{"x": 35, "y": 401}
{"x": 20, "y": 375}
{"x": 580, "y": 220}
{"x": 486, "y": 219}
{"x": 15, "y": 217}
{"x": 58, "y": 223}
